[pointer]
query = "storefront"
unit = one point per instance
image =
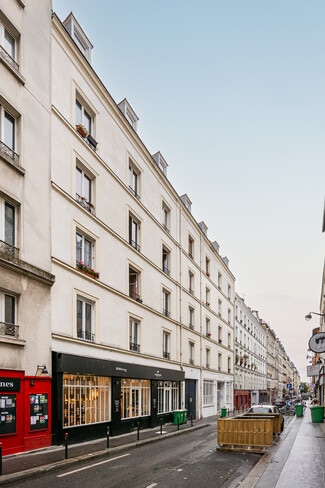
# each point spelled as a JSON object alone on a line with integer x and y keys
{"x": 91, "y": 394}
{"x": 25, "y": 411}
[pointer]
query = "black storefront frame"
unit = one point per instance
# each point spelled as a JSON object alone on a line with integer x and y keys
{"x": 72, "y": 364}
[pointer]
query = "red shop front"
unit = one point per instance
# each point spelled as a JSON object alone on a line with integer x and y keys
{"x": 25, "y": 411}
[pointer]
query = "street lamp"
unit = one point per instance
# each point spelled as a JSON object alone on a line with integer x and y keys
{"x": 309, "y": 315}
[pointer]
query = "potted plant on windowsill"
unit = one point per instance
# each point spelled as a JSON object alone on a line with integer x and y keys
{"x": 82, "y": 130}
{"x": 87, "y": 269}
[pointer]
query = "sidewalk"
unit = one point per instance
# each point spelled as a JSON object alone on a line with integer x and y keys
{"x": 19, "y": 466}
{"x": 297, "y": 460}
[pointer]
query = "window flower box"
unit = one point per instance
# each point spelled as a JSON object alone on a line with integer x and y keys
{"x": 81, "y": 266}
{"x": 82, "y": 130}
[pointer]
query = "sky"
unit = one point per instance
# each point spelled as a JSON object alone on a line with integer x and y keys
{"x": 231, "y": 92}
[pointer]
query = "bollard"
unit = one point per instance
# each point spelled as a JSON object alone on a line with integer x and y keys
{"x": 66, "y": 439}
{"x": 138, "y": 431}
{"x": 177, "y": 422}
{"x": 161, "y": 424}
{"x": 0, "y": 458}
{"x": 191, "y": 420}
{"x": 107, "y": 438}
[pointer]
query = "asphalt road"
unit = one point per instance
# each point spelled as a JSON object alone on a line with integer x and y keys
{"x": 187, "y": 461}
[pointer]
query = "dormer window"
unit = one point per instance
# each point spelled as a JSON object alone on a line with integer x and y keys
{"x": 129, "y": 113}
{"x": 78, "y": 35}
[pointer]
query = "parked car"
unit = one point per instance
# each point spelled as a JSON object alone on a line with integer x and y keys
{"x": 265, "y": 410}
{"x": 279, "y": 402}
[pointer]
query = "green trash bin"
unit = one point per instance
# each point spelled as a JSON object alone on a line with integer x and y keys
{"x": 317, "y": 413}
{"x": 180, "y": 417}
{"x": 299, "y": 410}
{"x": 223, "y": 412}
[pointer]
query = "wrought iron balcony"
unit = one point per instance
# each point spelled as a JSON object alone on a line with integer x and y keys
{"x": 134, "y": 347}
{"x": 166, "y": 355}
{"x": 166, "y": 270}
{"x": 166, "y": 312}
{"x": 87, "y": 205}
{"x": 134, "y": 193}
{"x": 8, "y": 249}
{"x": 10, "y": 330}
{"x": 191, "y": 361}
{"x": 9, "y": 154}
{"x": 135, "y": 245}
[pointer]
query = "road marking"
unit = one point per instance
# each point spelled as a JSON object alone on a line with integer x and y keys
{"x": 152, "y": 485}
{"x": 92, "y": 466}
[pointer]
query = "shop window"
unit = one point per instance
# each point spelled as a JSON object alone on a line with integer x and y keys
{"x": 168, "y": 395}
{"x": 208, "y": 398}
{"x": 135, "y": 398}
{"x": 85, "y": 320}
{"x": 86, "y": 400}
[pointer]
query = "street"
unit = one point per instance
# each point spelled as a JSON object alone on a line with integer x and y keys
{"x": 189, "y": 460}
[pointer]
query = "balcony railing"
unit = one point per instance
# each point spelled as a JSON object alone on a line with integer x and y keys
{"x": 86, "y": 336}
{"x": 10, "y": 330}
{"x": 8, "y": 249}
{"x": 134, "y": 347}
{"x": 166, "y": 270}
{"x": 166, "y": 312}
{"x": 87, "y": 205}
{"x": 135, "y": 245}
{"x": 9, "y": 154}
{"x": 166, "y": 355}
{"x": 134, "y": 193}
{"x": 191, "y": 361}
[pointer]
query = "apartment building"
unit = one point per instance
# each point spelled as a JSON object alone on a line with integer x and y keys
{"x": 250, "y": 357}
{"x": 142, "y": 306}
{"x": 26, "y": 279}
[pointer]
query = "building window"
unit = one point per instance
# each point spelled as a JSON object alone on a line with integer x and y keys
{"x": 134, "y": 232}
{"x": 86, "y": 399}
{"x": 207, "y": 297}
{"x": 219, "y": 281}
{"x": 134, "y": 181}
{"x": 191, "y": 282}
{"x": 219, "y": 308}
{"x": 166, "y": 345}
{"x": 85, "y": 123}
{"x": 166, "y": 303}
{"x": 134, "y": 284}
{"x": 207, "y": 266}
{"x": 219, "y": 362}
{"x": 220, "y": 334}
{"x": 9, "y": 39}
{"x": 165, "y": 217}
{"x": 134, "y": 335}
{"x": 229, "y": 292}
{"x": 84, "y": 250}
{"x": 191, "y": 352}
{"x": 229, "y": 364}
{"x": 8, "y": 311}
{"x": 229, "y": 316}
{"x": 207, "y": 358}
{"x": 208, "y": 398}
{"x": 168, "y": 394}
{"x": 190, "y": 247}
{"x": 8, "y": 218}
{"x": 229, "y": 341}
{"x": 165, "y": 260}
{"x": 85, "y": 320}
{"x": 84, "y": 190}
{"x": 8, "y": 128}
{"x": 191, "y": 317}
{"x": 135, "y": 398}
{"x": 207, "y": 327}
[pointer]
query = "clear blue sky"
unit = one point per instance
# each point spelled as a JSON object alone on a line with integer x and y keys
{"x": 232, "y": 94}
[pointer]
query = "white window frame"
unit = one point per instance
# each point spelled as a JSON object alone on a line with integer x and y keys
{"x": 168, "y": 396}
{"x": 10, "y": 244}
{"x": 166, "y": 344}
{"x": 134, "y": 232}
{"x": 208, "y": 392}
{"x": 165, "y": 217}
{"x": 134, "y": 334}
{"x": 87, "y": 306}
{"x": 134, "y": 179}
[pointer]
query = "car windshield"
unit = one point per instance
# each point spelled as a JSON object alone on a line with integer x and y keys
{"x": 260, "y": 410}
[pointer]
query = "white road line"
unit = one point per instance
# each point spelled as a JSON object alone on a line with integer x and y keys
{"x": 152, "y": 485}
{"x": 89, "y": 467}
